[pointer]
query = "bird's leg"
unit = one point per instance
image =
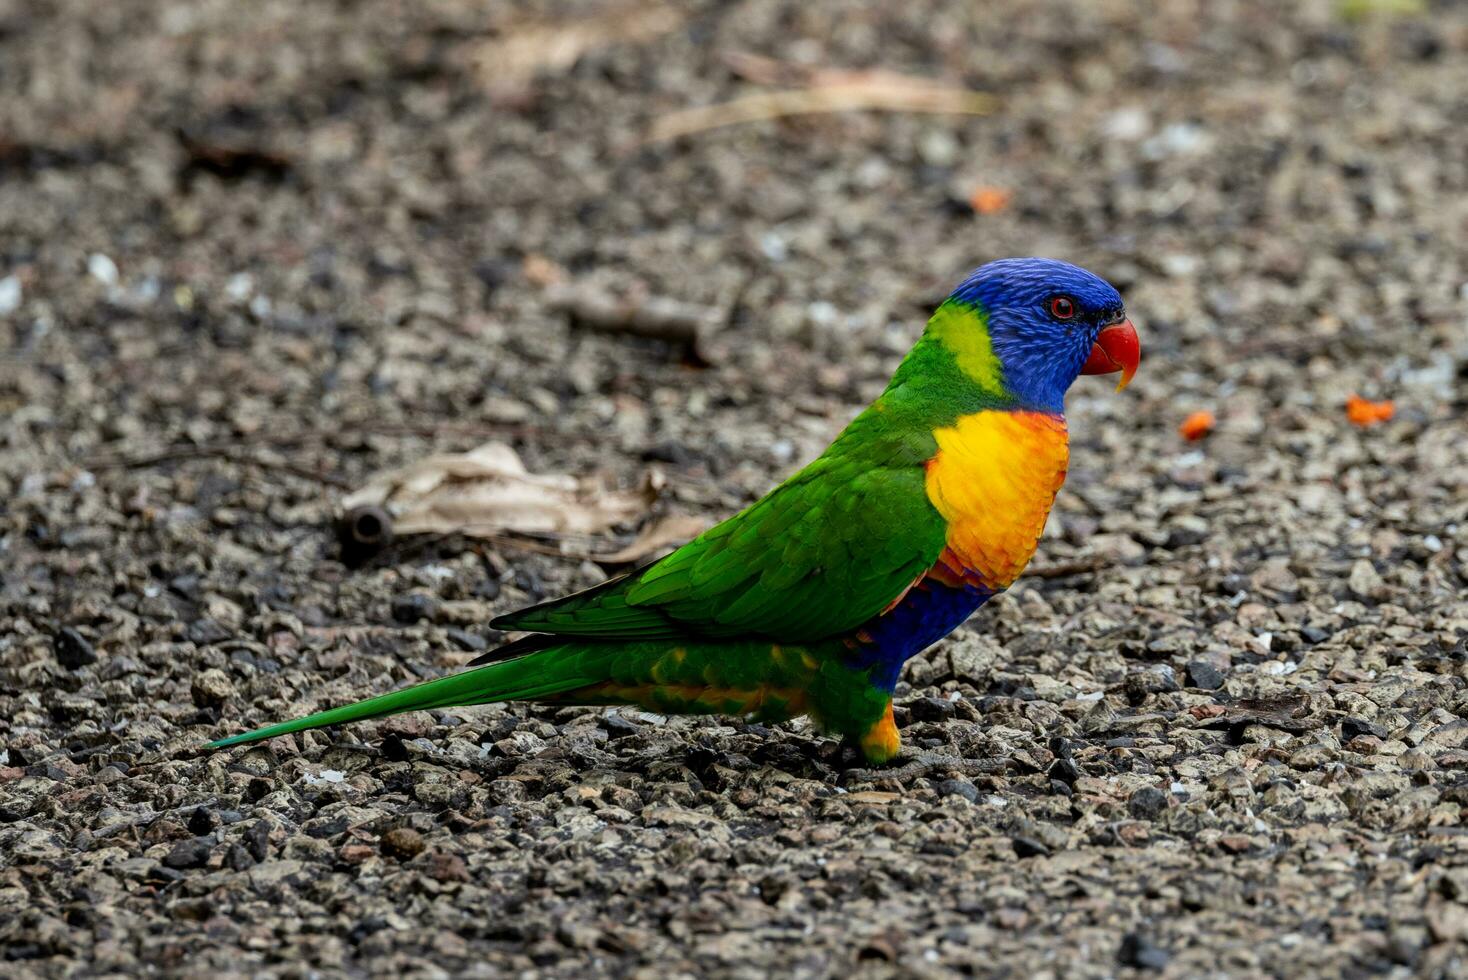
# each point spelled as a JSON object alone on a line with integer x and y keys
{"x": 880, "y": 742}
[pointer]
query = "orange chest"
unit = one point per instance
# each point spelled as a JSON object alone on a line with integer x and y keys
{"x": 993, "y": 480}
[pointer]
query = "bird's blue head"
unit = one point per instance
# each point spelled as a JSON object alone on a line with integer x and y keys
{"x": 1030, "y": 327}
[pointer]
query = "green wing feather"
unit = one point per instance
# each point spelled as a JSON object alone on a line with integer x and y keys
{"x": 816, "y": 557}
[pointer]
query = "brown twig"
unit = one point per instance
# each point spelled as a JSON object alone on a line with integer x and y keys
{"x": 655, "y": 317}
{"x": 884, "y": 92}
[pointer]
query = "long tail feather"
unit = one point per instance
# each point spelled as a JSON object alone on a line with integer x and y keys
{"x": 525, "y": 678}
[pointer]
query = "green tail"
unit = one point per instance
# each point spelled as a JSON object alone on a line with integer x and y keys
{"x": 539, "y": 675}
{"x": 754, "y": 678}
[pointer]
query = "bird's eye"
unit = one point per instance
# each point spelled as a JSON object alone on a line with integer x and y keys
{"x": 1062, "y": 307}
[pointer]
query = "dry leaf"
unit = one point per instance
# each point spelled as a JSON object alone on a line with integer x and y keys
{"x": 660, "y": 536}
{"x": 488, "y": 491}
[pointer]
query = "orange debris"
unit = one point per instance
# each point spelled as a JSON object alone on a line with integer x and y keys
{"x": 1363, "y": 413}
{"x": 1197, "y": 425}
{"x": 989, "y": 200}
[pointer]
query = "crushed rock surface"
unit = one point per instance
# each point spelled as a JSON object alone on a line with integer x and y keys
{"x": 252, "y": 254}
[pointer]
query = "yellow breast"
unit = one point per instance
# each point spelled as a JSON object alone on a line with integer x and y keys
{"x": 993, "y": 479}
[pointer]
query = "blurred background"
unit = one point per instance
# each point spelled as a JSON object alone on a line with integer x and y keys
{"x": 252, "y": 254}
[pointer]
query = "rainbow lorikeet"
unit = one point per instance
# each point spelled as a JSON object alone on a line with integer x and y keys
{"x": 810, "y": 600}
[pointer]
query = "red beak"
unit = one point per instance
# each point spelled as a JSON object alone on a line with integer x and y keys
{"x": 1117, "y": 349}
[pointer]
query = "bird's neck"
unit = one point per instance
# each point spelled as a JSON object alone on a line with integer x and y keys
{"x": 955, "y": 367}
{"x": 946, "y": 375}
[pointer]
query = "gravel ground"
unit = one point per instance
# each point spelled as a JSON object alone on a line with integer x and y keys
{"x": 251, "y": 254}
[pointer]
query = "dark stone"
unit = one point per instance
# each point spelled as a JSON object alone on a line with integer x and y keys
{"x": 1204, "y": 676}
{"x": 72, "y": 649}
{"x": 1061, "y": 747}
{"x": 528, "y": 582}
{"x": 1184, "y": 537}
{"x": 326, "y": 827}
{"x": 205, "y": 631}
{"x": 464, "y": 640}
{"x": 160, "y": 875}
{"x": 1066, "y": 771}
{"x": 365, "y": 928}
{"x": 393, "y": 749}
{"x": 1142, "y": 953}
{"x": 488, "y": 588}
{"x": 188, "y": 854}
{"x": 1314, "y": 634}
{"x": 1146, "y": 803}
{"x": 203, "y": 821}
{"x": 1351, "y": 727}
{"x": 616, "y": 726}
{"x": 239, "y": 858}
{"x": 257, "y": 839}
{"x": 414, "y": 607}
{"x": 959, "y": 787}
{"x": 930, "y": 709}
{"x": 189, "y": 587}
{"x": 493, "y": 273}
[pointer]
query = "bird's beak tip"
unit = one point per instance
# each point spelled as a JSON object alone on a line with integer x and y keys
{"x": 1117, "y": 348}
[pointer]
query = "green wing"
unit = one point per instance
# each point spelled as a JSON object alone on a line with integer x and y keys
{"x": 818, "y": 556}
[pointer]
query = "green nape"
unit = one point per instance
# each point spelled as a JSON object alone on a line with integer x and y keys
{"x": 963, "y": 329}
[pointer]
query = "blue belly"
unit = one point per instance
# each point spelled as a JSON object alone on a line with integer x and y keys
{"x": 930, "y": 611}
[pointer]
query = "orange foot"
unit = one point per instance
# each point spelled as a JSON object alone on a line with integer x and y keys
{"x": 881, "y": 742}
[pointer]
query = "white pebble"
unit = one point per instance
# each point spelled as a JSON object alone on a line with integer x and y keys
{"x": 326, "y": 776}
{"x": 239, "y": 287}
{"x": 102, "y": 269}
{"x": 10, "y": 294}
{"x": 822, "y": 313}
{"x": 1131, "y": 123}
{"x": 1179, "y": 265}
